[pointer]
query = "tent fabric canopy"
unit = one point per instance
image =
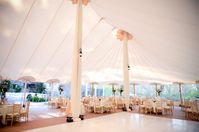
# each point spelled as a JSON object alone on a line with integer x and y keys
{"x": 27, "y": 79}
{"x": 51, "y": 81}
{"x": 37, "y": 38}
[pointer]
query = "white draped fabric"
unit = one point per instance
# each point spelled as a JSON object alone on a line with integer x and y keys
{"x": 37, "y": 38}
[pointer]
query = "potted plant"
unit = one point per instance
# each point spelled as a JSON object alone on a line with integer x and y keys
{"x": 121, "y": 91}
{"x": 5, "y": 85}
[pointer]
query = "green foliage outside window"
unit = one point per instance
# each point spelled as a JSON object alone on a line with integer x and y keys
{"x": 190, "y": 91}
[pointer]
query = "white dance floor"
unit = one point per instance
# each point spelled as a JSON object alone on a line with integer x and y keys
{"x": 125, "y": 122}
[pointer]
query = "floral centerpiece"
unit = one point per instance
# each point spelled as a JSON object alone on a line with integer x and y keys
{"x": 121, "y": 91}
{"x": 159, "y": 90}
{"x": 113, "y": 91}
{"x": 61, "y": 89}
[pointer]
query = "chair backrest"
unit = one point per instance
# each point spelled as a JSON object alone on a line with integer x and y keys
{"x": 194, "y": 105}
{"x": 27, "y": 106}
{"x": 97, "y": 103}
{"x": 197, "y": 105}
{"x": 164, "y": 103}
{"x": 186, "y": 102}
{"x": 1, "y": 110}
{"x": 66, "y": 101}
{"x": 170, "y": 103}
{"x": 144, "y": 103}
{"x": 10, "y": 109}
{"x": 159, "y": 104}
{"x": 16, "y": 108}
{"x": 147, "y": 103}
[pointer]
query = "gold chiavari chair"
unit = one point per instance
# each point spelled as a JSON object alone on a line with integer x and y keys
{"x": 16, "y": 112}
{"x": 24, "y": 113}
{"x": 10, "y": 114}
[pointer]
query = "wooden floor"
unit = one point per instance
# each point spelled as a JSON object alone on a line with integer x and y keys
{"x": 20, "y": 126}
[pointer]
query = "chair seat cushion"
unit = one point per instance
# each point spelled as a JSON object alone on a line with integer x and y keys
{"x": 9, "y": 114}
{"x": 23, "y": 112}
{"x": 16, "y": 114}
{"x": 148, "y": 107}
{"x": 63, "y": 107}
{"x": 142, "y": 106}
{"x": 159, "y": 108}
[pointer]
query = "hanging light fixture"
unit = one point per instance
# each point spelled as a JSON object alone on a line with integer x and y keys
{"x": 129, "y": 68}
{"x": 80, "y": 52}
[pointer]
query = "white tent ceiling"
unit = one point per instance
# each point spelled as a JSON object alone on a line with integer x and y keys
{"x": 37, "y": 36}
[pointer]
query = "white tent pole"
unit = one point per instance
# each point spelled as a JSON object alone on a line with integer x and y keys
{"x": 156, "y": 88}
{"x": 86, "y": 90}
{"x": 52, "y": 83}
{"x": 92, "y": 90}
{"x": 103, "y": 90}
{"x": 113, "y": 89}
{"x": 24, "y": 96}
{"x": 180, "y": 92}
{"x": 125, "y": 36}
{"x": 197, "y": 84}
{"x": 95, "y": 90}
{"x": 25, "y": 79}
{"x": 76, "y": 69}
{"x": 134, "y": 89}
{"x": 125, "y": 70}
{"x": 51, "y": 92}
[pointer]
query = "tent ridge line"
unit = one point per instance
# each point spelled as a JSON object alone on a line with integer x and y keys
{"x": 56, "y": 50}
{"x": 43, "y": 37}
{"x": 18, "y": 34}
{"x": 101, "y": 15}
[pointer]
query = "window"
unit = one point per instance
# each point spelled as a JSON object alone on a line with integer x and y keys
{"x": 190, "y": 91}
{"x": 171, "y": 92}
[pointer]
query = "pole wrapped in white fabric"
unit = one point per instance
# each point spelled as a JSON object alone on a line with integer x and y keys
{"x": 180, "y": 93}
{"x": 24, "y": 94}
{"x": 95, "y": 91}
{"x": 76, "y": 69}
{"x": 26, "y": 79}
{"x": 86, "y": 94}
{"x": 125, "y": 36}
{"x": 156, "y": 89}
{"x": 134, "y": 89}
{"x": 126, "y": 72}
{"x": 52, "y": 82}
{"x": 103, "y": 93}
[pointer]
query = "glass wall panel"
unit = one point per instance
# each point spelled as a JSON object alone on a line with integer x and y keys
{"x": 99, "y": 91}
{"x": 145, "y": 90}
{"x": 190, "y": 91}
{"x": 171, "y": 92}
{"x": 107, "y": 90}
